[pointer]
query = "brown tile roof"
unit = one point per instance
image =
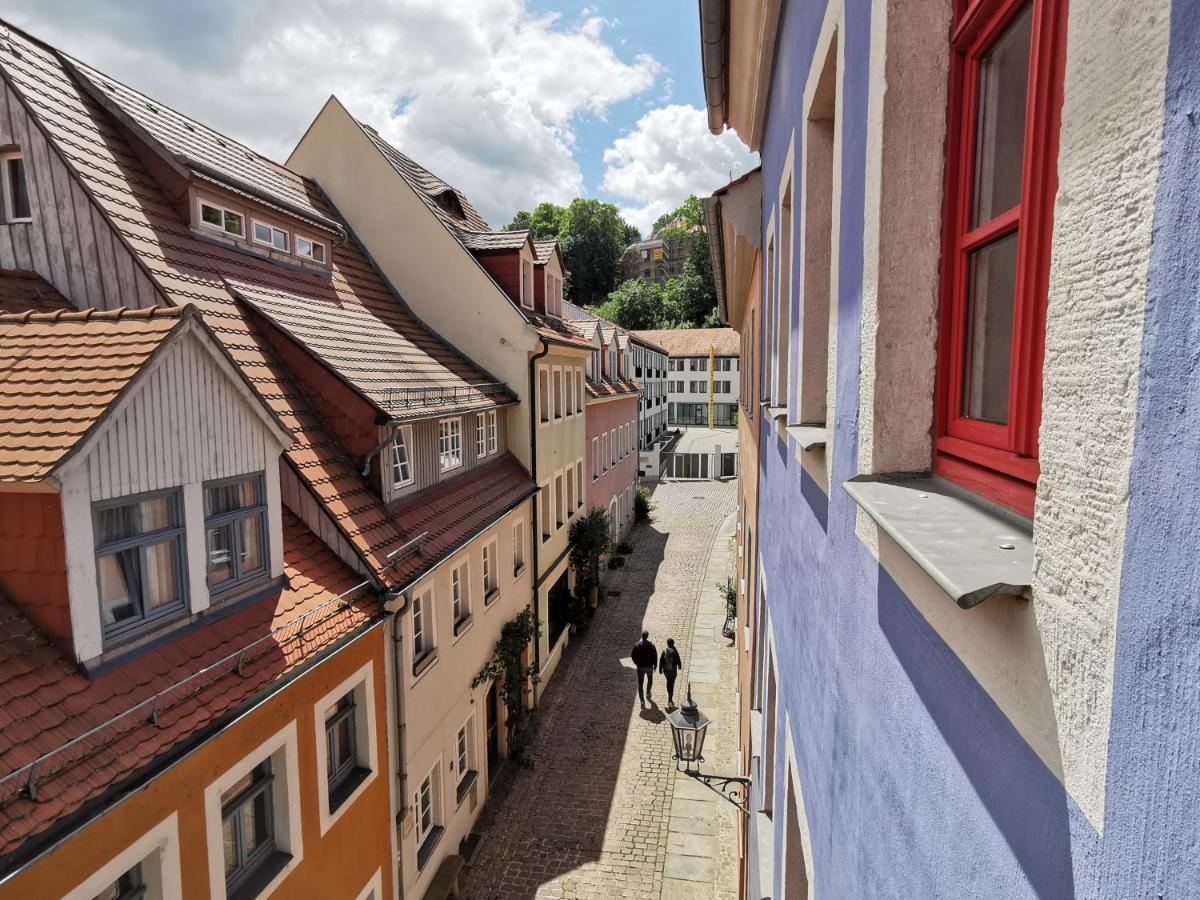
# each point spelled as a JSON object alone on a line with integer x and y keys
{"x": 483, "y": 241}
{"x": 194, "y": 145}
{"x": 556, "y": 330}
{"x": 585, "y": 328}
{"x": 614, "y": 388}
{"x": 543, "y": 250}
{"x": 20, "y": 291}
{"x": 693, "y": 341}
{"x": 60, "y": 373}
{"x": 191, "y": 271}
{"x": 430, "y": 188}
{"x": 459, "y": 510}
{"x": 394, "y": 364}
{"x": 45, "y": 702}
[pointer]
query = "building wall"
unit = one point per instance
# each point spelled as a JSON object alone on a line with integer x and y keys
{"x": 440, "y": 280}
{"x": 340, "y": 862}
{"x": 1039, "y": 735}
{"x": 603, "y": 486}
{"x": 69, "y": 242}
{"x": 33, "y": 559}
{"x": 439, "y": 698}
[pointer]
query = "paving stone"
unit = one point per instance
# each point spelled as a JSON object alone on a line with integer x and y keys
{"x": 689, "y": 868}
{"x": 592, "y": 814}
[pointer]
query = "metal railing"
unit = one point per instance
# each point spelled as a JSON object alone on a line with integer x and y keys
{"x": 150, "y": 709}
{"x": 438, "y": 395}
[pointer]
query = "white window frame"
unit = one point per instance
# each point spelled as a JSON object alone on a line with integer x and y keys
{"x": 5, "y": 159}
{"x": 287, "y": 237}
{"x": 362, "y": 683}
{"x": 434, "y": 777}
{"x": 282, "y": 749}
{"x": 404, "y": 433}
{"x": 518, "y": 547}
{"x": 220, "y": 229}
{"x": 558, "y": 407}
{"x": 450, "y": 443}
{"x": 544, "y": 396}
{"x": 422, "y": 603}
{"x": 595, "y": 458}
{"x": 157, "y": 851}
{"x": 460, "y": 596}
{"x": 488, "y": 573}
{"x": 560, "y": 513}
{"x": 546, "y": 500}
{"x": 480, "y": 437}
{"x": 324, "y": 258}
{"x": 580, "y": 481}
{"x": 463, "y": 768}
{"x": 373, "y": 890}
{"x": 493, "y": 443}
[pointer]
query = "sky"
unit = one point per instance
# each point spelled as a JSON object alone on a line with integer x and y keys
{"x": 514, "y": 102}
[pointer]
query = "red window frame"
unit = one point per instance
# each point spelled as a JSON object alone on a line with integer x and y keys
{"x": 999, "y": 462}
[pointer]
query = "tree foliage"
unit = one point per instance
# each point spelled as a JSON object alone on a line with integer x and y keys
{"x": 512, "y": 676}
{"x": 689, "y": 301}
{"x": 592, "y": 236}
{"x": 687, "y": 216}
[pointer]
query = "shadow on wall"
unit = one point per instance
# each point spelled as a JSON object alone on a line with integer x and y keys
{"x": 1025, "y": 800}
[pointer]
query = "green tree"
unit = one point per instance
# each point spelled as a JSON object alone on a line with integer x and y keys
{"x": 545, "y": 221}
{"x": 635, "y": 305}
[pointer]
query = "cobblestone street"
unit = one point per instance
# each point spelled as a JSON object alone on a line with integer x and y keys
{"x": 600, "y": 809}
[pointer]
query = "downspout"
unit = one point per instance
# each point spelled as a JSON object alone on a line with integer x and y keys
{"x": 537, "y": 504}
{"x": 401, "y": 770}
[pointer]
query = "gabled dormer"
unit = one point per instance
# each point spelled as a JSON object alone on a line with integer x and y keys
{"x": 509, "y": 257}
{"x": 222, "y": 190}
{"x": 548, "y": 278}
{"x": 139, "y": 477}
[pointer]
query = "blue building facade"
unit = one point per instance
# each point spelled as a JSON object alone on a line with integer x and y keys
{"x": 972, "y": 657}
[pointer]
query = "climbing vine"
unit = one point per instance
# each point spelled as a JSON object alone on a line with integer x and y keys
{"x": 512, "y": 675}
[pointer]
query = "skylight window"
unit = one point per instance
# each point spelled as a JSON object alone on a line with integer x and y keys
{"x": 271, "y": 236}
{"x": 213, "y": 216}
{"x": 310, "y": 249}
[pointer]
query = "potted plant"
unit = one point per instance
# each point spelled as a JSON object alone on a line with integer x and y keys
{"x": 590, "y": 538}
{"x": 642, "y": 507}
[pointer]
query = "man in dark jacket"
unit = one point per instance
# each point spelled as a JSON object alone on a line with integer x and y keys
{"x": 669, "y": 665}
{"x": 645, "y": 657}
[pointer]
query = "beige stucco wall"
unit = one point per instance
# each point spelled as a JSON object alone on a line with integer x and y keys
{"x": 437, "y": 277}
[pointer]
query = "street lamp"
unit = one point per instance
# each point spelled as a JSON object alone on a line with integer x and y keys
{"x": 688, "y": 729}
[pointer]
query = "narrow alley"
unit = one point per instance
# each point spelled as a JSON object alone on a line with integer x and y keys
{"x": 599, "y": 809}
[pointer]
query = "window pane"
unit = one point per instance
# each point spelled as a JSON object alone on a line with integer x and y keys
{"x": 258, "y": 821}
{"x": 210, "y": 214}
{"x": 223, "y": 498}
{"x": 250, "y": 540}
{"x": 987, "y": 355}
{"x": 162, "y": 575}
{"x": 262, "y": 232}
{"x": 233, "y": 224}
{"x": 120, "y": 580}
{"x": 279, "y": 239}
{"x": 229, "y": 838}
{"x": 1000, "y": 121}
{"x": 220, "y": 554}
{"x": 18, "y": 191}
{"x": 303, "y": 246}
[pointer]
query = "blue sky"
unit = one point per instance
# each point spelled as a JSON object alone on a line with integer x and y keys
{"x": 512, "y": 101}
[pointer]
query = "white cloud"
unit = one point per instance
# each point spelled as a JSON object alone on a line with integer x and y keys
{"x": 486, "y": 94}
{"x": 667, "y": 155}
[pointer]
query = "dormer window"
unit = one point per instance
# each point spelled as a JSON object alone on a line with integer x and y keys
{"x": 310, "y": 249}
{"x": 235, "y": 527}
{"x": 271, "y": 236}
{"x": 222, "y": 219}
{"x": 527, "y": 283}
{"x": 401, "y": 467}
{"x": 16, "y": 188}
{"x": 139, "y": 561}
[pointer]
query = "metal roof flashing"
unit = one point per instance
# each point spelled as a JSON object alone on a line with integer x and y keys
{"x": 970, "y": 548}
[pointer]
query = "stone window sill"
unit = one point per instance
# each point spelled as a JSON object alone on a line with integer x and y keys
{"x": 808, "y": 437}
{"x": 969, "y": 547}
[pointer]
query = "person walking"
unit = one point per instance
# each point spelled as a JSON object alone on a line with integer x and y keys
{"x": 645, "y": 657}
{"x": 669, "y": 665}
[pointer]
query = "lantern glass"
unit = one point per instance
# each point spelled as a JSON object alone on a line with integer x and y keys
{"x": 688, "y": 728}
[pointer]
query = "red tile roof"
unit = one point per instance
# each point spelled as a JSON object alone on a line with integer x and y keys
{"x": 693, "y": 341}
{"x": 21, "y": 291}
{"x": 613, "y": 388}
{"x": 60, "y": 373}
{"x": 544, "y": 250}
{"x": 459, "y": 510}
{"x": 45, "y": 702}
{"x": 188, "y": 270}
{"x": 556, "y": 330}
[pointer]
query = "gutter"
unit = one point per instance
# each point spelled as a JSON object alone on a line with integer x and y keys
{"x": 714, "y": 53}
{"x": 535, "y": 543}
{"x": 714, "y": 226}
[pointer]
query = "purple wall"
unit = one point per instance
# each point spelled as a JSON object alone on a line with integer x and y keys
{"x": 915, "y": 783}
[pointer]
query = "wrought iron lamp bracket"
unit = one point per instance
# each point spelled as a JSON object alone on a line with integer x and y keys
{"x": 734, "y": 789}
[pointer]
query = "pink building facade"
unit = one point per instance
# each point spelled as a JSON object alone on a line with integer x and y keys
{"x": 612, "y": 456}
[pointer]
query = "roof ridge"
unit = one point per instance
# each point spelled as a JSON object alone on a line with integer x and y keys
{"x": 92, "y": 314}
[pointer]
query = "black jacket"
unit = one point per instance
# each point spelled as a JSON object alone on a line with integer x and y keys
{"x": 644, "y": 654}
{"x": 670, "y": 663}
